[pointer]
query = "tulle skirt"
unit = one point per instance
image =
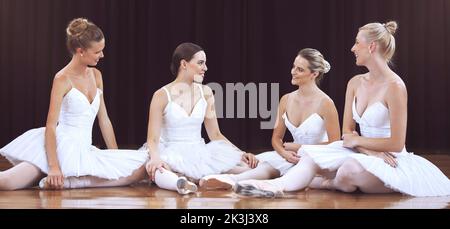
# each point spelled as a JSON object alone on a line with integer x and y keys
{"x": 414, "y": 175}
{"x": 197, "y": 159}
{"x": 76, "y": 156}
{"x": 275, "y": 160}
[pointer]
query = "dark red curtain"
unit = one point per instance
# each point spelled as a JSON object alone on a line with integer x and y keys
{"x": 245, "y": 41}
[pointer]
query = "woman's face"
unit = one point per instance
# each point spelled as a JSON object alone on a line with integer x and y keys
{"x": 93, "y": 54}
{"x": 300, "y": 72}
{"x": 196, "y": 67}
{"x": 361, "y": 49}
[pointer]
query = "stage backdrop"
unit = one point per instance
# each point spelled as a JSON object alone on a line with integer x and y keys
{"x": 245, "y": 41}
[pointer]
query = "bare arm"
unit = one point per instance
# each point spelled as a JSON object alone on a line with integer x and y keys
{"x": 211, "y": 124}
{"x": 155, "y": 118}
{"x": 103, "y": 118}
{"x": 60, "y": 87}
{"x": 213, "y": 130}
{"x": 287, "y": 150}
{"x": 348, "y": 124}
{"x": 280, "y": 128}
{"x": 331, "y": 119}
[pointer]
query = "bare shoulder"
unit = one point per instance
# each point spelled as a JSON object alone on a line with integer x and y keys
{"x": 61, "y": 82}
{"x": 325, "y": 100}
{"x": 61, "y": 77}
{"x": 356, "y": 80}
{"x": 98, "y": 76}
{"x": 284, "y": 101}
{"x": 396, "y": 87}
{"x": 160, "y": 95}
{"x": 159, "y": 100}
{"x": 207, "y": 91}
{"x": 285, "y": 97}
{"x": 326, "y": 103}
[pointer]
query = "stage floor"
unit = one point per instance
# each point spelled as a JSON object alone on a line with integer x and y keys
{"x": 145, "y": 196}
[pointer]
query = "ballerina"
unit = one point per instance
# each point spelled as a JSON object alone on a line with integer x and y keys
{"x": 178, "y": 153}
{"x": 62, "y": 151}
{"x": 309, "y": 115}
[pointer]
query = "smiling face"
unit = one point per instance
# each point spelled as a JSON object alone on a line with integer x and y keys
{"x": 301, "y": 74}
{"x": 196, "y": 67}
{"x": 361, "y": 49}
{"x": 90, "y": 56}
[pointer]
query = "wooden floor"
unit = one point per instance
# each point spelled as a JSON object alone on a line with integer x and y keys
{"x": 145, "y": 196}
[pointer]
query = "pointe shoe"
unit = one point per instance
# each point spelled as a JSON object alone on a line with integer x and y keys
{"x": 44, "y": 185}
{"x": 215, "y": 182}
{"x": 258, "y": 188}
{"x": 185, "y": 187}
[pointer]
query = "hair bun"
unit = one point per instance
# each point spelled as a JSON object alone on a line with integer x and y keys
{"x": 80, "y": 32}
{"x": 77, "y": 27}
{"x": 326, "y": 66}
{"x": 391, "y": 27}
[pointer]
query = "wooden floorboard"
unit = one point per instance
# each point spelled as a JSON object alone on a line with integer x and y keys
{"x": 150, "y": 196}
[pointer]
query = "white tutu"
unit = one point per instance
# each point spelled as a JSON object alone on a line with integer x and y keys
{"x": 76, "y": 155}
{"x": 197, "y": 159}
{"x": 414, "y": 175}
{"x": 275, "y": 160}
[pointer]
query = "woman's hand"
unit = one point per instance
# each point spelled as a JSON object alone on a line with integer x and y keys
{"x": 250, "y": 160}
{"x": 155, "y": 164}
{"x": 290, "y": 156}
{"x": 290, "y": 146}
{"x": 350, "y": 140}
{"x": 387, "y": 157}
{"x": 55, "y": 178}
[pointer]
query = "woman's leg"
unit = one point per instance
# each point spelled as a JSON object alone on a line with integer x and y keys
{"x": 166, "y": 179}
{"x": 227, "y": 181}
{"x": 351, "y": 176}
{"x": 323, "y": 179}
{"x": 297, "y": 178}
{"x": 263, "y": 171}
{"x": 242, "y": 167}
{"x": 171, "y": 181}
{"x": 96, "y": 182}
{"x": 23, "y": 175}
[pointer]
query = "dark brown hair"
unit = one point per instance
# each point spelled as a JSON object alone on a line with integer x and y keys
{"x": 184, "y": 51}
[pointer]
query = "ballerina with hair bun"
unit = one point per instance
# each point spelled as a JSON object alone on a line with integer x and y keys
{"x": 308, "y": 113}
{"x": 61, "y": 153}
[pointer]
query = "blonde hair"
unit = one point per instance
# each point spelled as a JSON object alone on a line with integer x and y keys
{"x": 80, "y": 33}
{"x": 317, "y": 62}
{"x": 383, "y": 34}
